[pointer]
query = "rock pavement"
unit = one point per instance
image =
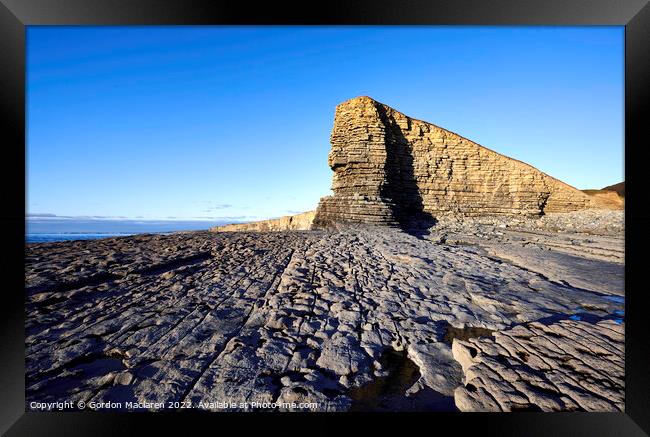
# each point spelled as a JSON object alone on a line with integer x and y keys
{"x": 475, "y": 314}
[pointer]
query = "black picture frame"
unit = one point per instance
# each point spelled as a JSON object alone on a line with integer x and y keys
{"x": 16, "y": 14}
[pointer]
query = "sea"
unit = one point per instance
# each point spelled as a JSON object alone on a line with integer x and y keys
{"x": 50, "y": 230}
{"x": 48, "y": 238}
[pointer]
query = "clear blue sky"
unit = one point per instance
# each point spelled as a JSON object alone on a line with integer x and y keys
{"x": 233, "y": 123}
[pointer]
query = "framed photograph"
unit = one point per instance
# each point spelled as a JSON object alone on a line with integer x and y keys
{"x": 279, "y": 217}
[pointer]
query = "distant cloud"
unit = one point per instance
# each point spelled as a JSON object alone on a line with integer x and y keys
{"x": 74, "y": 217}
{"x": 218, "y": 207}
{"x": 239, "y": 217}
{"x": 41, "y": 215}
{"x": 51, "y": 218}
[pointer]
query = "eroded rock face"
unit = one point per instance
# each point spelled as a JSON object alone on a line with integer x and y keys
{"x": 390, "y": 168}
{"x": 298, "y": 222}
{"x": 393, "y": 170}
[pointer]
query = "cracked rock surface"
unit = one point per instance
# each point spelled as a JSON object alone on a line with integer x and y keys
{"x": 356, "y": 319}
{"x": 564, "y": 366}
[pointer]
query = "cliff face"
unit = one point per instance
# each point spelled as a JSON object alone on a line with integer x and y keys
{"x": 389, "y": 168}
{"x": 298, "y": 222}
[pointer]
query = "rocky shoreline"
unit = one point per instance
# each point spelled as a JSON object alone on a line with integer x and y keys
{"x": 481, "y": 313}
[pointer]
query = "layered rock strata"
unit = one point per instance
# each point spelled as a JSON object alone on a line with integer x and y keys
{"x": 298, "y": 222}
{"x": 390, "y": 168}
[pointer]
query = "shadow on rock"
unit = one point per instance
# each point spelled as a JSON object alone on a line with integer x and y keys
{"x": 401, "y": 184}
{"x": 388, "y": 393}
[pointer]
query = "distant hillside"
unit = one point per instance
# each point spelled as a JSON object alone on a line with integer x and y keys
{"x": 619, "y": 188}
{"x": 612, "y": 196}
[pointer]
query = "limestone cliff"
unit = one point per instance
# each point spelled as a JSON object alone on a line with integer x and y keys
{"x": 298, "y": 222}
{"x": 389, "y": 168}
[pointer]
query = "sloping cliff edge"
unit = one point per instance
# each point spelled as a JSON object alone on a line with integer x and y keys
{"x": 298, "y": 222}
{"x": 390, "y": 169}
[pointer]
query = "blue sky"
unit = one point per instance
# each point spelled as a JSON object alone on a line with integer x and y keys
{"x": 233, "y": 123}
